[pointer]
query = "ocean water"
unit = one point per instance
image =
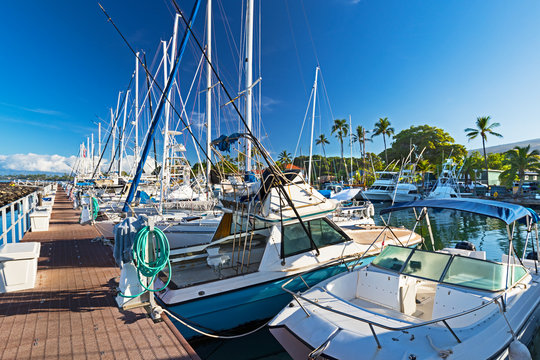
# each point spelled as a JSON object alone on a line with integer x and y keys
{"x": 449, "y": 227}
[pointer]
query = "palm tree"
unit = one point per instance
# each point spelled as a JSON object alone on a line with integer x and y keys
{"x": 322, "y": 140}
{"x": 383, "y": 128}
{"x": 483, "y": 129}
{"x": 423, "y": 166}
{"x": 284, "y": 158}
{"x": 341, "y": 128}
{"x": 520, "y": 160}
{"x": 359, "y": 135}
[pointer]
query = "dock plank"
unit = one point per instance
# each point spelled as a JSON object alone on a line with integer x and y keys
{"x": 71, "y": 312}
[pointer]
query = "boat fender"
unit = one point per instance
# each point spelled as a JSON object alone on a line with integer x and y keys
{"x": 518, "y": 351}
{"x": 465, "y": 245}
{"x": 371, "y": 210}
{"x": 85, "y": 216}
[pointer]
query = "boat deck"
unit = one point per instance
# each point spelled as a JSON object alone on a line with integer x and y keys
{"x": 71, "y": 312}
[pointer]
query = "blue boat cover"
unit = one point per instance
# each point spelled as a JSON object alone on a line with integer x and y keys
{"x": 223, "y": 143}
{"x": 495, "y": 209}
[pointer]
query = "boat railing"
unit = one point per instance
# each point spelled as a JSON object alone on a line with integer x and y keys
{"x": 498, "y": 300}
{"x": 17, "y": 212}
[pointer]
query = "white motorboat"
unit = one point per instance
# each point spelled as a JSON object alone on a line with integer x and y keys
{"x": 416, "y": 304}
{"x": 383, "y": 188}
{"x": 446, "y": 186}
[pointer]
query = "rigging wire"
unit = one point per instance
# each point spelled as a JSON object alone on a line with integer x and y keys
{"x": 166, "y": 98}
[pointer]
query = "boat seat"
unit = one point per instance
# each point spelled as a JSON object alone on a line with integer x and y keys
{"x": 395, "y": 292}
{"x": 407, "y": 294}
{"x": 449, "y": 301}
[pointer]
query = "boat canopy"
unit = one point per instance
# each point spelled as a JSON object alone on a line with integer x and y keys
{"x": 491, "y": 208}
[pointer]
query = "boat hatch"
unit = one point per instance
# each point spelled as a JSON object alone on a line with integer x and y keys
{"x": 449, "y": 269}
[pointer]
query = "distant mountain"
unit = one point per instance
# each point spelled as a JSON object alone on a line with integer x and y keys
{"x": 535, "y": 144}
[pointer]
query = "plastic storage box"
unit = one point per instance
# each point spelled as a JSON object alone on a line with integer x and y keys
{"x": 18, "y": 266}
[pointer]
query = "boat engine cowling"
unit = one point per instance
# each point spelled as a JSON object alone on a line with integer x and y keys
{"x": 531, "y": 255}
{"x": 465, "y": 245}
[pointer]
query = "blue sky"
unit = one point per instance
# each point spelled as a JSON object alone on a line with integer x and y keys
{"x": 415, "y": 62}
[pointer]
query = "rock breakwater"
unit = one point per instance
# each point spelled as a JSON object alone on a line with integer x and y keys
{"x": 10, "y": 193}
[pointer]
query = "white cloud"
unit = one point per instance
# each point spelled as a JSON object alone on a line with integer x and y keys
{"x": 269, "y": 103}
{"x": 35, "y": 110}
{"x": 37, "y": 162}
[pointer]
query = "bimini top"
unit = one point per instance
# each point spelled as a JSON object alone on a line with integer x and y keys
{"x": 495, "y": 209}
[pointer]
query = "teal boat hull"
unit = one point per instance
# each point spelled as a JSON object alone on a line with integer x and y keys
{"x": 230, "y": 310}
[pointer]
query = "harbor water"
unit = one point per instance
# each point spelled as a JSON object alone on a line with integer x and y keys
{"x": 449, "y": 227}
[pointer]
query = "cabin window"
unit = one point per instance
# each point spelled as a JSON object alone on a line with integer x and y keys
{"x": 296, "y": 241}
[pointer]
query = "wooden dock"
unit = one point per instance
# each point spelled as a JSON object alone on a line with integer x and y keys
{"x": 71, "y": 312}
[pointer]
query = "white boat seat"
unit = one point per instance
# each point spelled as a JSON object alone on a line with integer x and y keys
{"x": 397, "y": 292}
{"x": 449, "y": 301}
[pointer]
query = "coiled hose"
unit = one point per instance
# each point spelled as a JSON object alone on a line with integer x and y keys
{"x": 95, "y": 208}
{"x": 150, "y": 269}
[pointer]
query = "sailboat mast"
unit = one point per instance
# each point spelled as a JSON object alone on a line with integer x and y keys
{"x": 164, "y": 170}
{"x": 350, "y": 143}
{"x": 208, "y": 90}
{"x": 113, "y": 128}
{"x": 312, "y": 125}
{"x": 249, "y": 77}
{"x": 122, "y": 135}
{"x": 364, "y": 151}
{"x": 93, "y": 151}
{"x": 165, "y": 131}
{"x": 137, "y": 108}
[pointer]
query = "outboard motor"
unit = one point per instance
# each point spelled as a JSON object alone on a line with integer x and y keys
{"x": 531, "y": 255}
{"x": 465, "y": 245}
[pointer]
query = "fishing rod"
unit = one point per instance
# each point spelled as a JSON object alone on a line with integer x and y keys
{"x": 278, "y": 175}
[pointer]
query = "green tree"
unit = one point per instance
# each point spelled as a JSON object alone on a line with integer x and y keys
{"x": 382, "y": 127}
{"x": 341, "y": 128}
{"x": 436, "y": 142}
{"x": 471, "y": 165}
{"x": 322, "y": 140}
{"x": 520, "y": 159}
{"x": 358, "y": 136}
{"x": 284, "y": 158}
{"x": 423, "y": 166}
{"x": 483, "y": 128}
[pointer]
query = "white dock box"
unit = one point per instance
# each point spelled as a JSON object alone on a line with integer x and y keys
{"x": 39, "y": 219}
{"x": 18, "y": 266}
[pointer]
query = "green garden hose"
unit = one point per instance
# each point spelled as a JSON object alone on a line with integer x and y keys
{"x": 95, "y": 208}
{"x": 150, "y": 269}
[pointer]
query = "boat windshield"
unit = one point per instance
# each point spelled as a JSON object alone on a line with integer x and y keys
{"x": 449, "y": 269}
